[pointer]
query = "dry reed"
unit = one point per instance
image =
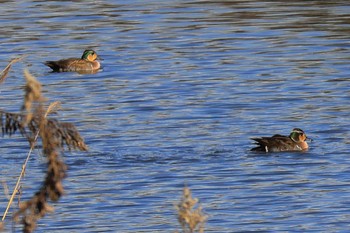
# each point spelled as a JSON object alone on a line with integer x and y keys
{"x": 55, "y": 135}
{"x": 4, "y": 72}
{"x": 191, "y": 219}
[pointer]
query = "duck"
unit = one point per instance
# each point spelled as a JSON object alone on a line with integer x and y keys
{"x": 296, "y": 141}
{"x": 87, "y": 63}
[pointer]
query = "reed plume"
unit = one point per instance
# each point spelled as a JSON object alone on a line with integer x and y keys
{"x": 191, "y": 219}
{"x": 33, "y": 122}
{"x": 4, "y": 72}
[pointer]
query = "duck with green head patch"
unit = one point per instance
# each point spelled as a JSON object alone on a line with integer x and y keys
{"x": 87, "y": 63}
{"x": 296, "y": 141}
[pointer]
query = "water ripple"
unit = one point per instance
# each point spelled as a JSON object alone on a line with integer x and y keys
{"x": 184, "y": 86}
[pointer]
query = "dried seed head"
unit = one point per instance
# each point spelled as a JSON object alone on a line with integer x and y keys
{"x": 4, "y": 72}
{"x": 189, "y": 218}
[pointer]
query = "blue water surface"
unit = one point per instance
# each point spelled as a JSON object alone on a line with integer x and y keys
{"x": 183, "y": 88}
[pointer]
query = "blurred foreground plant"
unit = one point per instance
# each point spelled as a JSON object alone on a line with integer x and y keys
{"x": 191, "y": 219}
{"x": 4, "y": 72}
{"x": 33, "y": 123}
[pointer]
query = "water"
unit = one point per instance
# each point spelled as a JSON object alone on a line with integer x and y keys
{"x": 184, "y": 86}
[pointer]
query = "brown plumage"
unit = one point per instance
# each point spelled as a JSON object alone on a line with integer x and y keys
{"x": 87, "y": 63}
{"x": 296, "y": 141}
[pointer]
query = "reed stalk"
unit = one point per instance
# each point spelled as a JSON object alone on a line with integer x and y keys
{"x": 55, "y": 136}
{"x": 4, "y": 72}
{"x": 50, "y": 109}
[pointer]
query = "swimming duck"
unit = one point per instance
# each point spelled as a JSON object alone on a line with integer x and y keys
{"x": 296, "y": 141}
{"x": 87, "y": 63}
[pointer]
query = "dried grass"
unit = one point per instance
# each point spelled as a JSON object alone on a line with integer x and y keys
{"x": 4, "y": 72}
{"x": 33, "y": 123}
{"x": 32, "y": 97}
{"x": 191, "y": 219}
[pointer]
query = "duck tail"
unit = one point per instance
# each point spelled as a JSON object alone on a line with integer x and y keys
{"x": 260, "y": 146}
{"x": 53, "y": 65}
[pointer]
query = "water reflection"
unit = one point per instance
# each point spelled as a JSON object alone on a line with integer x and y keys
{"x": 184, "y": 86}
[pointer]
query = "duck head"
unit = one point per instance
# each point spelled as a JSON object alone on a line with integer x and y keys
{"x": 298, "y": 135}
{"x": 89, "y": 55}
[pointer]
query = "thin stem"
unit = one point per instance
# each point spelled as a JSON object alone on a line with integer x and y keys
{"x": 50, "y": 109}
{"x": 20, "y": 176}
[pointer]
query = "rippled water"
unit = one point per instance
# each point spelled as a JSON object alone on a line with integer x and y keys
{"x": 184, "y": 85}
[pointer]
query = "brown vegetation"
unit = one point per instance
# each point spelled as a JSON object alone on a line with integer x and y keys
{"x": 4, "y": 72}
{"x": 191, "y": 220}
{"x": 33, "y": 123}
